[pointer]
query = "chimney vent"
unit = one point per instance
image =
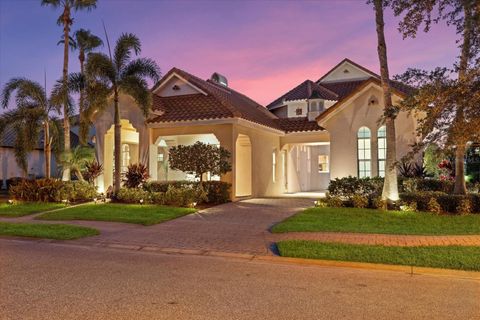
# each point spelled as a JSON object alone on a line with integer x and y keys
{"x": 220, "y": 79}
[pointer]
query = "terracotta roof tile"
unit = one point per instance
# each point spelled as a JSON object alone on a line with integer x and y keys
{"x": 300, "y": 124}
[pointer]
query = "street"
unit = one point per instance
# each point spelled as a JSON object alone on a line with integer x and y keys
{"x": 55, "y": 281}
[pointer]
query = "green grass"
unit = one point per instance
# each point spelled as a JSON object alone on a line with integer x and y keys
{"x": 447, "y": 257}
{"x": 47, "y": 231}
{"x": 130, "y": 213}
{"x": 26, "y": 208}
{"x": 377, "y": 221}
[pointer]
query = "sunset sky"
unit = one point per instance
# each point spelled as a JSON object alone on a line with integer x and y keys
{"x": 264, "y": 48}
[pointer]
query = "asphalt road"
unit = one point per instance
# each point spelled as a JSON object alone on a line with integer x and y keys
{"x": 52, "y": 281}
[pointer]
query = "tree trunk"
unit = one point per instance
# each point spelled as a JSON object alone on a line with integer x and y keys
{"x": 66, "y": 120}
{"x": 47, "y": 149}
{"x": 460, "y": 185}
{"x": 117, "y": 144}
{"x": 83, "y": 125}
{"x": 390, "y": 187}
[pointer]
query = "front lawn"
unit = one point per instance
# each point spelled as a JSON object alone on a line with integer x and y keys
{"x": 47, "y": 231}
{"x": 26, "y": 208}
{"x": 377, "y": 221}
{"x": 130, "y": 213}
{"x": 448, "y": 257}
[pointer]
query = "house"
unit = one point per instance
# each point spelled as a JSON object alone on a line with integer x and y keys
{"x": 319, "y": 130}
{"x": 35, "y": 159}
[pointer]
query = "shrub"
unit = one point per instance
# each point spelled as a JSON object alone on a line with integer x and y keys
{"x": 162, "y": 186}
{"x": 52, "y": 190}
{"x": 93, "y": 170}
{"x": 157, "y": 198}
{"x": 321, "y": 203}
{"x": 421, "y": 198}
{"x": 347, "y": 187}
{"x": 360, "y": 201}
{"x": 75, "y": 191}
{"x": 136, "y": 176}
{"x": 217, "y": 191}
{"x": 132, "y": 195}
{"x": 14, "y": 181}
{"x": 411, "y": 206}
{"x": 464, "y": 207}
{"x": 433, "y": 206}
{"x": 378, "y": 203}
{"x": 333, "y": 201}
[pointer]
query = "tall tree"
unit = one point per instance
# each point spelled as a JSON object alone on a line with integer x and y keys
{"x": 122, "y": 74}
{"x": 66, "y": 21}
{"x": 31, "y": 115}
{"x": 85, "y": 42}
{"x": 390, "y": 185}
{"x": 77, "y": 159}
{"x": 465, "y": 16}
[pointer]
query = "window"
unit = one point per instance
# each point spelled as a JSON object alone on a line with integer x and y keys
{"x": 364, "y": 153}
{"x": 274, "y": 166}
{"x": 382, "y": 150}
{"x": 322, "y": 163}
{"x": 125, "y": 157}
{"x": 314, "y": 106}
{"x": 299, "y": 111}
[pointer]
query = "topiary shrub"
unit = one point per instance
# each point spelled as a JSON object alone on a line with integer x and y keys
{"x": 347, "y": 187}
{"x": 136, "y": 176}
{"x": 217, "y": 191}
{"x": 75, "y": 191}
{"x": 359, "y": 201}
{"x": 378, "y": 203}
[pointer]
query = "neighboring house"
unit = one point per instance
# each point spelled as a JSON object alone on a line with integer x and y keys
{"x": 36, "y": 160}
{"x": 315, "y": 132}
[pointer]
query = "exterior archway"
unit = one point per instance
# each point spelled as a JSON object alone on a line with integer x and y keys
{"x": 243, "y": 166}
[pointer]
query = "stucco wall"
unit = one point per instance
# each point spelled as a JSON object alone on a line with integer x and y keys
{"x": 343, "y": 127}
{"x": 182, "y": 87}
{"x": 352, "y": 73}
{"x": 303, "y": 173}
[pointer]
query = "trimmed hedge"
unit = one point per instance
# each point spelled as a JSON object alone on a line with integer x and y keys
{"x": 52, "y": 190}
{"x": 448, "y": 202}
{"x": 348, "y": 187}
{"x": 217, "y": 191}
{"x": 180, "y": 197}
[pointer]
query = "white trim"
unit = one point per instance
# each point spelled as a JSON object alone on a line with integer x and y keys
{"x": 181, "y": 78}
{"x": 304, "y": 133}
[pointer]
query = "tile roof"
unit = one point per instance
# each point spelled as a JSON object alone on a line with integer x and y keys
{"x": 344, "y": 88}
{"x": 220, "y": 103}
{"x": 7, "y": 139}
{"x": 305, "y": 90}
{"x": 299, "y": 124}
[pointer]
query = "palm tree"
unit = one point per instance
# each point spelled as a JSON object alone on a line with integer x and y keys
{"x": 66, "y": 20}
{"x": 390, "y": 185}
{"x": 85, "y": 42}
{"x": 32, "y": 114}
{"x": 76, "y": 160}
{"x": 121, "y": 74}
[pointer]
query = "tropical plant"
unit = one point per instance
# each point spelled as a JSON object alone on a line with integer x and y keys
{"x": 390, "y": 185}
{"x": 117, "y": 74}
{"x": 93, "y": 170}
{"x": 66, "y": 21}
{"x": 76, "y": 160}
{"x": 31, "y": 115}
{"x": 200, "y": 158}
{"x": 451, "y": 105}
{"x": 85, "y": 42}
{"x": 136, "y": 175}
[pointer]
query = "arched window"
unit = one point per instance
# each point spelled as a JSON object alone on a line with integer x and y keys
{"x": 125, "y": 157}
{"x": 364, "y": 153}
{"x": 382, "y": 150}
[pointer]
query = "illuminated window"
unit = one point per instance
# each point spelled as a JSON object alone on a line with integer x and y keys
{"x": 274, "y": 166}
{"x": 322, "y": 163}
{"x": 125, "y": 157}
{"x": 382, "y": 150}
{"x": 364, "y": 152}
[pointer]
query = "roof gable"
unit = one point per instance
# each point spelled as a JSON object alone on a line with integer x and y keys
{"x": 174, "y": 84}
{"x": 347, "y": 70}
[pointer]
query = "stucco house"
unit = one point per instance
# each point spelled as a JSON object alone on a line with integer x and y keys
{"x": 317, "y": 131}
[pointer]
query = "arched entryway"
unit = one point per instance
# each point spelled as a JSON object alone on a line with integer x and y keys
{"x": 243, "y": 166}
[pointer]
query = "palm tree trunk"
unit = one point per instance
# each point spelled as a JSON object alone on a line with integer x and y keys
{"x": 66, "y": 121}
{"x": 117, "y": 143}
{"x": 47, "y": 149}
{"x": 83, "y": 122}
{"x": 390, "y": 187}
{"x": 460, "y": 185}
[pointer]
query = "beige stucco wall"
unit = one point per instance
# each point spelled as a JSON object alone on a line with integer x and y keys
{"x": 343, "y": 127}
{"x": 352, "y": 73}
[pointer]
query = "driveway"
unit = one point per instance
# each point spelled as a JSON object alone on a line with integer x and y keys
{"x": 240, "y": 227}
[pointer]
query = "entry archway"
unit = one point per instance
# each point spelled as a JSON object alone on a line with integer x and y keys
{"x": 243, "y": 166}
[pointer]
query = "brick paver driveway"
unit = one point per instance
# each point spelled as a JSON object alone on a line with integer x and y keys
{"x": 240, "y": 227}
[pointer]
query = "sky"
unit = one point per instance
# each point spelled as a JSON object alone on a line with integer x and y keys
{"x": 264, "y": 48}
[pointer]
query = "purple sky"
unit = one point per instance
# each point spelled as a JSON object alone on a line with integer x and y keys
{"x": 264, "y": 48}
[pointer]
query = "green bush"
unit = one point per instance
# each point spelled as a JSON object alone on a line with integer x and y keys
{"x": 421, "y": 198}
{"x": 433, "y": 206}
{"x": 133, "y": 195}
{"x": 359, "y": 201}
{"x": 52, "y": 190}
{"x": 75, "y": 191}
{"x": 217, "y": 191}
{"x": 450, "y": 203}
{"x": 464, "y": 207}
{"x": 347, "y": 187}
{"x": 378, "y": 203}
{"x": 334, "y": 201}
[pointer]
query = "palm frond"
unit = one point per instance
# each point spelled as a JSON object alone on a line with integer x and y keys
{"x": 57, "y": 97}
{"x": 127, "y": 43}
{"x": 53, "y": 3}
{"x": 87, "y": 41}
{"x": 71, "y": 42}
{"x": 137, "y": 88}
{"x": 142, "y": 67}
{"x": 87, "y": 5}
{"x": 100, "y": 67}
{"x": 27, "y": 93}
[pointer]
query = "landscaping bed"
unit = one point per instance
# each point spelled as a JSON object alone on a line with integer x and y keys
{"x": 129, "y": 213}
{"x": 26, "y": 208}
{"x": 449, "y": 257}
{"x": 46, "y": 231}
{"x": 362, "y": 220}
